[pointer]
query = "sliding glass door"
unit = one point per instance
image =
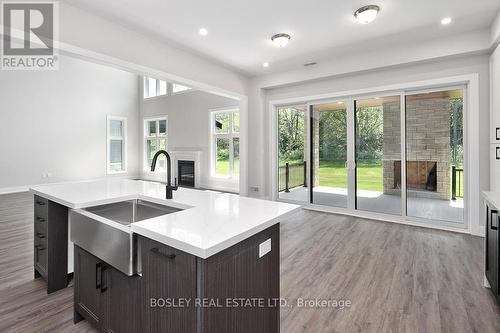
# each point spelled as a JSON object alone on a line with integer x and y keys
{"x": 378, "y": 154}
{"x": 435, "y": 155}
{"x": 400, "y": 154}
{"x": 328, "y": 154}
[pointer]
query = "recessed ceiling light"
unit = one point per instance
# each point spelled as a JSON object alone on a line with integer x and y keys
{"x": 340, "y": 103}
{"x": 446, "y": 20}
{"x": 281, "y": 39}
{"x": 266, "y": 64}
{"x": 203, "y": 31}
{"x": 366, "y": 14}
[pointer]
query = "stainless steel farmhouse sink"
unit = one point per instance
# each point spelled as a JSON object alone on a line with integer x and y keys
{"x": 104, "y": 230}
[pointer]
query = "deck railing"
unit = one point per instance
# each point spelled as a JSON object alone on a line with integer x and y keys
{"x": 292, "y": 175}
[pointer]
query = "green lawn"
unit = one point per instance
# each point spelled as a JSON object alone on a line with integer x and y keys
{"x": 334, "y": 174}
{"x": 222, "y": 168}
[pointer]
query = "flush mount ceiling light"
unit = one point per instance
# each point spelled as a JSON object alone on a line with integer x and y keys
{"x": 281, "y": 39}
{"x": 266, "y": 64}
{"x": 446, "y": 20}
{"x": 203, "y": 32}
{"x": 366, "y": 14}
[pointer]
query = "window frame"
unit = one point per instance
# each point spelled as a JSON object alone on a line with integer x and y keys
{"x": 157, "y": 137}
{"x": 123, "y": 138}
{"x": 145, "y": 87}
{"x": 230, "y": 135}
{"x": 172, "y": 92}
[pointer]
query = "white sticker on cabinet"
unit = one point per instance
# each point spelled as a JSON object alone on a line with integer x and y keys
{"x": 264, "y": 248}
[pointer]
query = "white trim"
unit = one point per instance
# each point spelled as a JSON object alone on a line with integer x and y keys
{"x": 123, "y": 138}
{"x": 17, "y": 189}
{"x": 471, "y": 140}
{"x": 173, "y": 93}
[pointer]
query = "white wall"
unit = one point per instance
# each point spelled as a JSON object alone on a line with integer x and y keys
{"x": 387, "y": 76}
{"x": 188, "y": 127}
{"x": 55, "y": 122}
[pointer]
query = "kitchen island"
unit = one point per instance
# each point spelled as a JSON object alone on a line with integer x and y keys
{"x": 201, "y": 262}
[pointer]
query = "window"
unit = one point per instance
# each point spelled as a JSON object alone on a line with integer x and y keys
{"x": 155, "y": 138}
{"x": 154, "y": 87}
{"x": 177, "y": 88}
{"x": 116, "y": 144}
{"x": 225, "y": 128}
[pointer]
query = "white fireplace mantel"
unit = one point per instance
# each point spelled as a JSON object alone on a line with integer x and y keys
{"x": 187, "y": 155}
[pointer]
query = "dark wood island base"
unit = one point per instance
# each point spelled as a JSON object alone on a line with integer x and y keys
{"x": 51, "y": 243}
{"x": 234, "y": 290}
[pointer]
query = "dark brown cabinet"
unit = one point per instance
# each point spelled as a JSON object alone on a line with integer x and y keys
{"x": 179, "y": 292}
{"x": 492, "y": 249}
{"x": 104, "y": 296}
{"x": 51, "y": 243}
{"x": 88, "y": 286}
{"x": 168, "y": 274}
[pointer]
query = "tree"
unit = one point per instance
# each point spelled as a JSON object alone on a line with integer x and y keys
{"x": 291, "y": 134}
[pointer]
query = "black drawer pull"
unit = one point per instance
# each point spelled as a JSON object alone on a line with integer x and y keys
{"x": 40, "y": 235}
{"x": 157, "y": 251}
{"x": 493, "y": 212}
{"x": 497, "y": 133}
{"x": 104, "y": 284}
{"x": 40, "y": 248}
{"x": 40, "y": 203}
{"x": 40, "y": 219}
{"x": 98, "y": 276}
{"x": 497, "y": 151}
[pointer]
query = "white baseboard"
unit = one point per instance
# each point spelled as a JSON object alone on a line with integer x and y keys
{"x": 17, "y": 189}
{"x": 481, "y": 232}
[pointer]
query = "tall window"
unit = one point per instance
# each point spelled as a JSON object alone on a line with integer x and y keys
{"x": 116, "y": 144}
{"x": 225, "y": 133}
{"x": 155, "y": 138}
{"x": 154, "y": 87}
{"x": 177, "y": 88}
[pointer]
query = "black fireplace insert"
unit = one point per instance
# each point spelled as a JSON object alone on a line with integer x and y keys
{"x": 185, "y": 170}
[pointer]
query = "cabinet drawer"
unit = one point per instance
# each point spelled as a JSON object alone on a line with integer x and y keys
{"x": 41, "y": 207}
{"x": 41, "y": 258}
{"x": 40, "y": 224}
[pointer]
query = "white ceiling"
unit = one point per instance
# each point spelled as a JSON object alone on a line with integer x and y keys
{"x": 239, "y": 31}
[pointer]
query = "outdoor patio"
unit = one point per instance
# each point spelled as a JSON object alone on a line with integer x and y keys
{"x": 437, "y": 209}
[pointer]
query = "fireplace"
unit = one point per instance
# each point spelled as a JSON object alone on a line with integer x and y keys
{"x": 421, "y": 175}
{"x": 185, "y": 173}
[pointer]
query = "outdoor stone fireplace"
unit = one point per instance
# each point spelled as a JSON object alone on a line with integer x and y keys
{"x": 428, "y": 147}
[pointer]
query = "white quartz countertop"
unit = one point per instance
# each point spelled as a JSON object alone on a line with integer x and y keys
{"x": 209, "y": 222}
{"x": 493, "y": 198}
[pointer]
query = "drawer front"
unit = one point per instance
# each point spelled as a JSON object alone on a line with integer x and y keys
{"x": 41, "y": 254}
{"x": 41, "y": 207}
{"x": 40, "y": 225}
